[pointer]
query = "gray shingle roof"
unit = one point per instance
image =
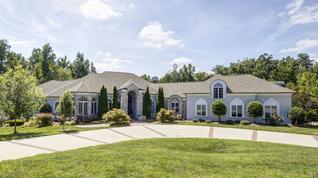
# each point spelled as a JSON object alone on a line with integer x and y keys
{"x": 94, "y": 82}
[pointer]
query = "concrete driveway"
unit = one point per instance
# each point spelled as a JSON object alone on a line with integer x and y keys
{"x": 48, "y": 144}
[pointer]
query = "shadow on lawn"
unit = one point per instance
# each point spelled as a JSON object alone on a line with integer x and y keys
{"x": 21, "y": 135}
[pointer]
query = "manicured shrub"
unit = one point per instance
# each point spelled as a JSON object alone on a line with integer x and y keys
{"x": 208, "y": 121}
{"x": 254, "y": 109}
{"x": 45, "y": 108}
{"x": 43, "y": 120}
{"x": 296, "y": 114}
{"x": 165, "y": 116}
{"x": 230, "y": 122}
{"x": 201, "y": 120}
{"x": 195, "y": 121}
{"x": 19, "y": 122}
{"x": 116, "y": 117}
{"x": 245, "y": 122}
{"x": 237, "y": 121}
{"x": 218, "y": 108}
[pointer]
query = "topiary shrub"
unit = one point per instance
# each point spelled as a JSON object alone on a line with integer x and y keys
{"x": 165, "y": 116}
{"x": 116, "y": 117}
{"x": 254, "y": 109}
{"x": 218, "y": 108}
{"x": 229, "y": 122}
{"x": 245, "y": 122}
{"x": 45, "y": 108}
{"x": 43, "y": 120}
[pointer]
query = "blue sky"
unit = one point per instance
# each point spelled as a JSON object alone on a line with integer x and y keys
{"x": 148, "y": 36}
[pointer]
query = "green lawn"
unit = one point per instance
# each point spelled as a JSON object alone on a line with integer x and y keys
{"x": 27, "y": 132}
{"x": 288, "y": 129}
{"x": 178, "y": 157}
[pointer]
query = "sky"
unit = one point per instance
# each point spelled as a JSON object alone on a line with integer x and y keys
{"x": 148, "y": 36}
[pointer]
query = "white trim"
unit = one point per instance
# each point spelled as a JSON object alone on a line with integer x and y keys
{"x": 201, "y": 102}
{"x": 271, "y": 102}
{"x": 237, "y": 102}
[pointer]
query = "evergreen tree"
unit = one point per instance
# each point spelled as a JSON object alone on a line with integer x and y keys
{"x": 102, "y": 102}
{"x": 81, "y": 66}
{"x": 47, "y": 62}
{"x": 147, "y": 104}
{"x": 161, "y": 99}
{"x": 93, "y": 68}
{"x": 116, "y": 103}
{"x": 4, "y": 49}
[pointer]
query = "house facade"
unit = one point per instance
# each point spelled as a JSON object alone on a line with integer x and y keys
{"x": 189, "y": 100}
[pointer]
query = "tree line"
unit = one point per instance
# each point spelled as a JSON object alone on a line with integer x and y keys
{"x": 44, "y": 63}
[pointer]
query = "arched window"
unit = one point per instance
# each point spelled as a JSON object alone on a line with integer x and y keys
{"x": 237, "y": 108}
{"x": 201, "y": 107}
{"x": 175, "y": 106}
{"x": 271, "y": 108}
{"x": 83, "y": 106}
{"x": 218, "y": 90}
{"x": 94, "y": 106}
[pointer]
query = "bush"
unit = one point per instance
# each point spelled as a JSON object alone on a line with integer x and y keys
{"x": 116, "y": 117}
{"x": 195, "y": 121}
{"x": 11, "y": 122}
{"x": 165, "y": 116}
{"x": 254, "y": 110}
{"x": 43, "y": 119}
{"x": 275, "y": 120}
{"x": 31, "y": 122}
{"x": 230, "y": 122}
{"x": 208, "y": 121}
{"x": 218, "y": 108}
{"x": 201, "y": 120}
{"x": 71, "y": 122}
{"x": 237, "y": 121}
{"x": 296, "y": 114}
{"x": 85, "y": 119}
{"x": 245, "y": 122}
{"x": 45, "y": 108}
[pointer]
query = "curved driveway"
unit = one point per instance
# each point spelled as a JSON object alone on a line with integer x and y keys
{"x": 47, "y": 144}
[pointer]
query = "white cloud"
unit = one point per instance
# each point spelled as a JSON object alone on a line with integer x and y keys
{"x": 154, "y": 36}
{"x": 308, "y": 14}
{"x": 111, "y": 63}
{"x": 181, "y": 61}
{"x": 302, "y": 45}
{"x": 294, "y": 6}
{"x": 98, "y": 10}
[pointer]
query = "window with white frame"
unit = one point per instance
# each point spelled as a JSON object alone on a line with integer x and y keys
{"x": 237, "y": 108}
{"x": 271, "y": 108}
{"x": 201, "y": 107}
{"x": 175, "y": 106}
{"x": 218, "y": 90}
{"x": 83, "y": 106}
{"x": 94, "y": 106}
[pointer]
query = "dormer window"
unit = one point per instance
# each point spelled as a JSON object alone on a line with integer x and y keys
{"x": 218, "y": 90}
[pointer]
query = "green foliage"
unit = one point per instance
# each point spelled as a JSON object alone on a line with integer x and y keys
{"x": 115, "y": 103}
{"x": 65, "y": 107}
{"x": 147, "y": 104}
{"x": 45, "y": 108}
{"x": 81, "y": 66}
{"x": 161, "y": 99}
{"x": 19, "y": 93}
{"x": 116, "y": 117}
{"x": 254, "y": 109}
{"x": 43, "y": 120}
{"x": 218, "y": 108}
{"x": 165, "y": 116}
{"x": 245, "y": 122}
{"x": 18, "y": 122}
{"x": 102, "y": 102}
{"x": 275, "y": 120}
{"x": 202, "y": 76}
{"x": 296, "y": 114}
{"x": 4, "y": 49}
